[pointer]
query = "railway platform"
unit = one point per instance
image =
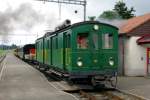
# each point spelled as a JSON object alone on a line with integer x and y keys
{"x": 139, "y": 86}
{"x": 20, "y": 81}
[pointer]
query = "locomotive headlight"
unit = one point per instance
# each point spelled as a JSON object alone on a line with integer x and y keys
{"x": 111, "y": 61}
{"x": 79, "y": 63}
{"x": 96, "y": 27}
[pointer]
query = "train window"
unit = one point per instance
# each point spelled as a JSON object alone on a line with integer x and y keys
{"x": 95, "y": 40}
{"x": 82, "y": 41}
{"x": 68, "y": 44}
{"x": 107, "y": 41}
{"x": 38, "y": 46}
{"x": 41, "y": 46}
{"x": 56, "y": 42}
{"x": 48, "y": 44}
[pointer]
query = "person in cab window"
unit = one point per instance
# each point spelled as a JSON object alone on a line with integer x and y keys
{"x": 82, "y": 42}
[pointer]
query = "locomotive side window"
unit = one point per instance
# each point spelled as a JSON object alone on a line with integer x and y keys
{"x": 68, "y": 44}
{"x": 95, "y": 40}
{"x": 107, "y": 41}
{"x": 82, "y": 41}
{"x": 56, "y": 42}
{"x": 41, "y": 46}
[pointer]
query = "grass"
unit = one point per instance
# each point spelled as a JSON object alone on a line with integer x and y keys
{"x": 2, "y": 52}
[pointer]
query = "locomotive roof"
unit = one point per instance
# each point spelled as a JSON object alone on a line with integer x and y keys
{"x": 92, "y": 22}
{"x": 75, "y": 25}
{"x": 39, "y": 38}
{"x": 29, "y": 45}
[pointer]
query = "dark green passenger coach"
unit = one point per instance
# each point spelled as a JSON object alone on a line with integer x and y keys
{"x": 82, "y": 50}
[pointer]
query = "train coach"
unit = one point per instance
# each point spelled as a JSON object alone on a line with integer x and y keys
{"x": 85, "y": 50}
{"x": 27, "y": 52}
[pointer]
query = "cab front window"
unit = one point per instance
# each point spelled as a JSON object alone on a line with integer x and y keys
{"x": 82, "y": 41}
{"x": 107, "y": 41}
{"x": 95, "y": 40}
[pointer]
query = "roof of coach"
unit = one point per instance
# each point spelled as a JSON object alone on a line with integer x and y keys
{"x": 78, "y": 24}
{"x": 29, "y": 45}
{"x": 75, "y": 25}
{"x": 46, "y": 34}
{"x": 39, "y": 38}
{"x": 92, "y": 22}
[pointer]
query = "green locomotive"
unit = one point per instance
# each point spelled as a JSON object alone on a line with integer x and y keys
{"x": 84, "y": 50}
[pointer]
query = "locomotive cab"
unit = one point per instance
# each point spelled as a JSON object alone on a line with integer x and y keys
{"x": 94, "y": 51}
{"x": 85, "y": 50}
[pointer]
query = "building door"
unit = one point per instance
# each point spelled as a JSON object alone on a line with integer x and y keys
{"x": 148, "y": 61}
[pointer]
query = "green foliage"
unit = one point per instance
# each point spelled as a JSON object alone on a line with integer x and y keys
{"x": 123, "y": 10}
{"x": 110, "y": 15}
{"x": 92, "y": 18}
{"x": 2, "y": 52}
{"x": 120, "y": 11}
{"x": 7, "y": 47}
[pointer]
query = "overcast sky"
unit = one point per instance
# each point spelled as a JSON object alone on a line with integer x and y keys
{"x": 28, "y": 19}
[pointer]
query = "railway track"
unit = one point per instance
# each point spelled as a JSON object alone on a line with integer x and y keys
{"x": 105, "y": 95}
{"x": 1, "y": 60}
{"x": 93, "y": 94}
{"x": 1, "y": 65}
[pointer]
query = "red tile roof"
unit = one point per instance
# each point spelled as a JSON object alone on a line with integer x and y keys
{"x": 134, "y": 23}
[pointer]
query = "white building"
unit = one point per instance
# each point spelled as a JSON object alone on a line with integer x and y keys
{"x": 134, "y": 47}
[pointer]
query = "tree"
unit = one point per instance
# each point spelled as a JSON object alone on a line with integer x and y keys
{"x": 92, "y": 18}
{"x": 110, "y": 15}
{"x": 120, "y": 11}
{"x": 13, "y": 46}
{"x": 123, "y": 10}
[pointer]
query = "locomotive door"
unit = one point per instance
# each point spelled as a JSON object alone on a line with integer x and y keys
{"x": 84, "y": 49}
{"x": 107, "y": 51}
{"x": 94, "y": 49}
{"x": 67, "y": 48}
{"x": 148, "y": 61}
